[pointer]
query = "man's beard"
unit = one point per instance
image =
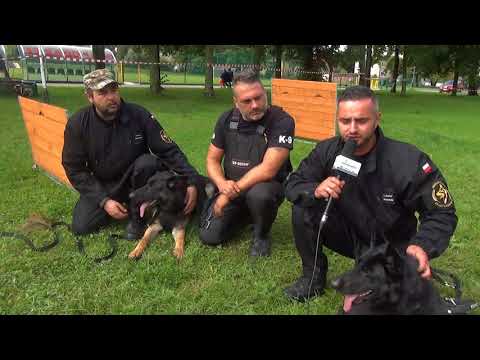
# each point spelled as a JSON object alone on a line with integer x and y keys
{"x": 258, "y": 114}
{"x": 108, "y": 113}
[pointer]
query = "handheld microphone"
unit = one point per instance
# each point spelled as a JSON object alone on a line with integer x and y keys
{"x": 343, "y": 165}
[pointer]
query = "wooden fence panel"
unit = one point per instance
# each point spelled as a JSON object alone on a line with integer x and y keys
{"x": 312, "y": 104}
{"x": 45, "y": 125}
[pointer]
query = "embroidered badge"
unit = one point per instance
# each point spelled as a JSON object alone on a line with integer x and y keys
{"x": 388, "y": 198}
{"x": 440, "y": 195}
{"x": 165, "y": 137}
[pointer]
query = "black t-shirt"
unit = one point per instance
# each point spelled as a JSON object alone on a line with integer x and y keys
{"x": 280, "y": 132}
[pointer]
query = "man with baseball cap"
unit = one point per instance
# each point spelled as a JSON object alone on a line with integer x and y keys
{"x": 107, "y": 153}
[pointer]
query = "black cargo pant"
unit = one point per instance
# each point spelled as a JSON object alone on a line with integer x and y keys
{"x": 336, "y": 235}
{"x": 258, "y": 205}
{"x": 88, "y": 216}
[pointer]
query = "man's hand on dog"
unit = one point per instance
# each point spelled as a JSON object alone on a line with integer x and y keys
{"x": 220, "y": 203}
{"x": 331, "y": 186}
{"x": 229, "y": 188}
{"x": 115, "y": 209}
{"x": 422, "y": 257}
{"x": 190, "y": 199}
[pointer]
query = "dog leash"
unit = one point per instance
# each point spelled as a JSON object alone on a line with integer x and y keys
{"x": 454, "y": 305}
{"x": 56, "y": 240}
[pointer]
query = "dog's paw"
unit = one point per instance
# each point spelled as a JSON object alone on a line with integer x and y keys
{"x": 135, "y": 254}
{"x": 178, "y": 253}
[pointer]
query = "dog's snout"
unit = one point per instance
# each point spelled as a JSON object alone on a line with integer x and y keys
{"x": 337, "y": 283}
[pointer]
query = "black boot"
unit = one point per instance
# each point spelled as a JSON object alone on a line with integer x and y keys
{"x": 260, "y": 246}
{"x": 301, "y": 291}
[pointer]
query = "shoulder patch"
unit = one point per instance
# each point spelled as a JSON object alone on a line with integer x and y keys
{"x": 165, "y": 137}
{"x": 440, "y": 195}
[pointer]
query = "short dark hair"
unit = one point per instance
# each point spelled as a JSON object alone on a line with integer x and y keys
{"x": 358, "y": 92}
{"x": 248, "y": 76}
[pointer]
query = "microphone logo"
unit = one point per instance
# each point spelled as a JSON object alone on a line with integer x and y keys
{"x": 346, "y": 165}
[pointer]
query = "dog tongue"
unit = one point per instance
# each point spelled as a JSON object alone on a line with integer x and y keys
{"x": 142, "y": 208}
{"x": 348, "y": 301}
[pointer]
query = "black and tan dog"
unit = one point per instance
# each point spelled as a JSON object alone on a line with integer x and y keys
{"x": 161, "y": 202}
{"x": 384, "y": 282}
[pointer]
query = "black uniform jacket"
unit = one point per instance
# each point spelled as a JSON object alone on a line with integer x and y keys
{"x": 395, "y": 182}
{"x": 97, "y": 153}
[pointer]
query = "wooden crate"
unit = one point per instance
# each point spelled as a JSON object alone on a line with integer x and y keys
{"x": 45, "y": 125}
{"x": 312, "y": 104}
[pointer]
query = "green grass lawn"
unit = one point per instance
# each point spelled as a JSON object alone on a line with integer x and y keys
{"x": 221, "y": 280}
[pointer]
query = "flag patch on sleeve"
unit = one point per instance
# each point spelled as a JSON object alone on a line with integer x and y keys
{"x": 427, "y": 169}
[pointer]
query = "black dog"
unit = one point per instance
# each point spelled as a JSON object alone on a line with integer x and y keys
{"x": 161, "y": 203}
{"x": 384, "y": 282}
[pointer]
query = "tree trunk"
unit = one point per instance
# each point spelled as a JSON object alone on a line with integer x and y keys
{"x": 259, "y": 54}
{"x": 455, "y": 77}
{"x": 404, "y": 71}
{"x": 278, "y": 61}
{"x": 155, "y": 85}
{"x": 99, "y": 54}
{"x": 395, "y": 70}
{"x": 368, "y": 65}
{"x": 472, "y": 82}
{"x": 4, "y": 69}
{"x": 361, "y": 64}
{"x": 209, "y": 71}
{"x": 308, "y": 65}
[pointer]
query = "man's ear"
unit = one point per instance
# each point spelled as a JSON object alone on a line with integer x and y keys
{"x": 89, "y": 95}
{"x": 235, "y": 102}
{"x": 379, "y": 118}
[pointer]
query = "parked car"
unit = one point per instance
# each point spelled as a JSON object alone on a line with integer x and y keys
{"x": 448, "y": 86}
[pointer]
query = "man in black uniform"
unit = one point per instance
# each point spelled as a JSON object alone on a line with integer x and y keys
{"x": 254, "y": 141}
{"x": 106, "y": 154}
{"x": 395, "y": 181}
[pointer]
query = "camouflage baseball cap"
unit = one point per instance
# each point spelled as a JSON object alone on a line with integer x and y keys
{"x": 98, "y": 79}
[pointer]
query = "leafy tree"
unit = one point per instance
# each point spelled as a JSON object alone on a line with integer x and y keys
{"x": 315, "y": 60}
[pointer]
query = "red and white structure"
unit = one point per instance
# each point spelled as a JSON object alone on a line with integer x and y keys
{"x": 63, "y": 52}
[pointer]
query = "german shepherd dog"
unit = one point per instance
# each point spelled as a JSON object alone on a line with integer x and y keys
{"x": 384, "y": 282}
{"x": 161, "y": 202}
